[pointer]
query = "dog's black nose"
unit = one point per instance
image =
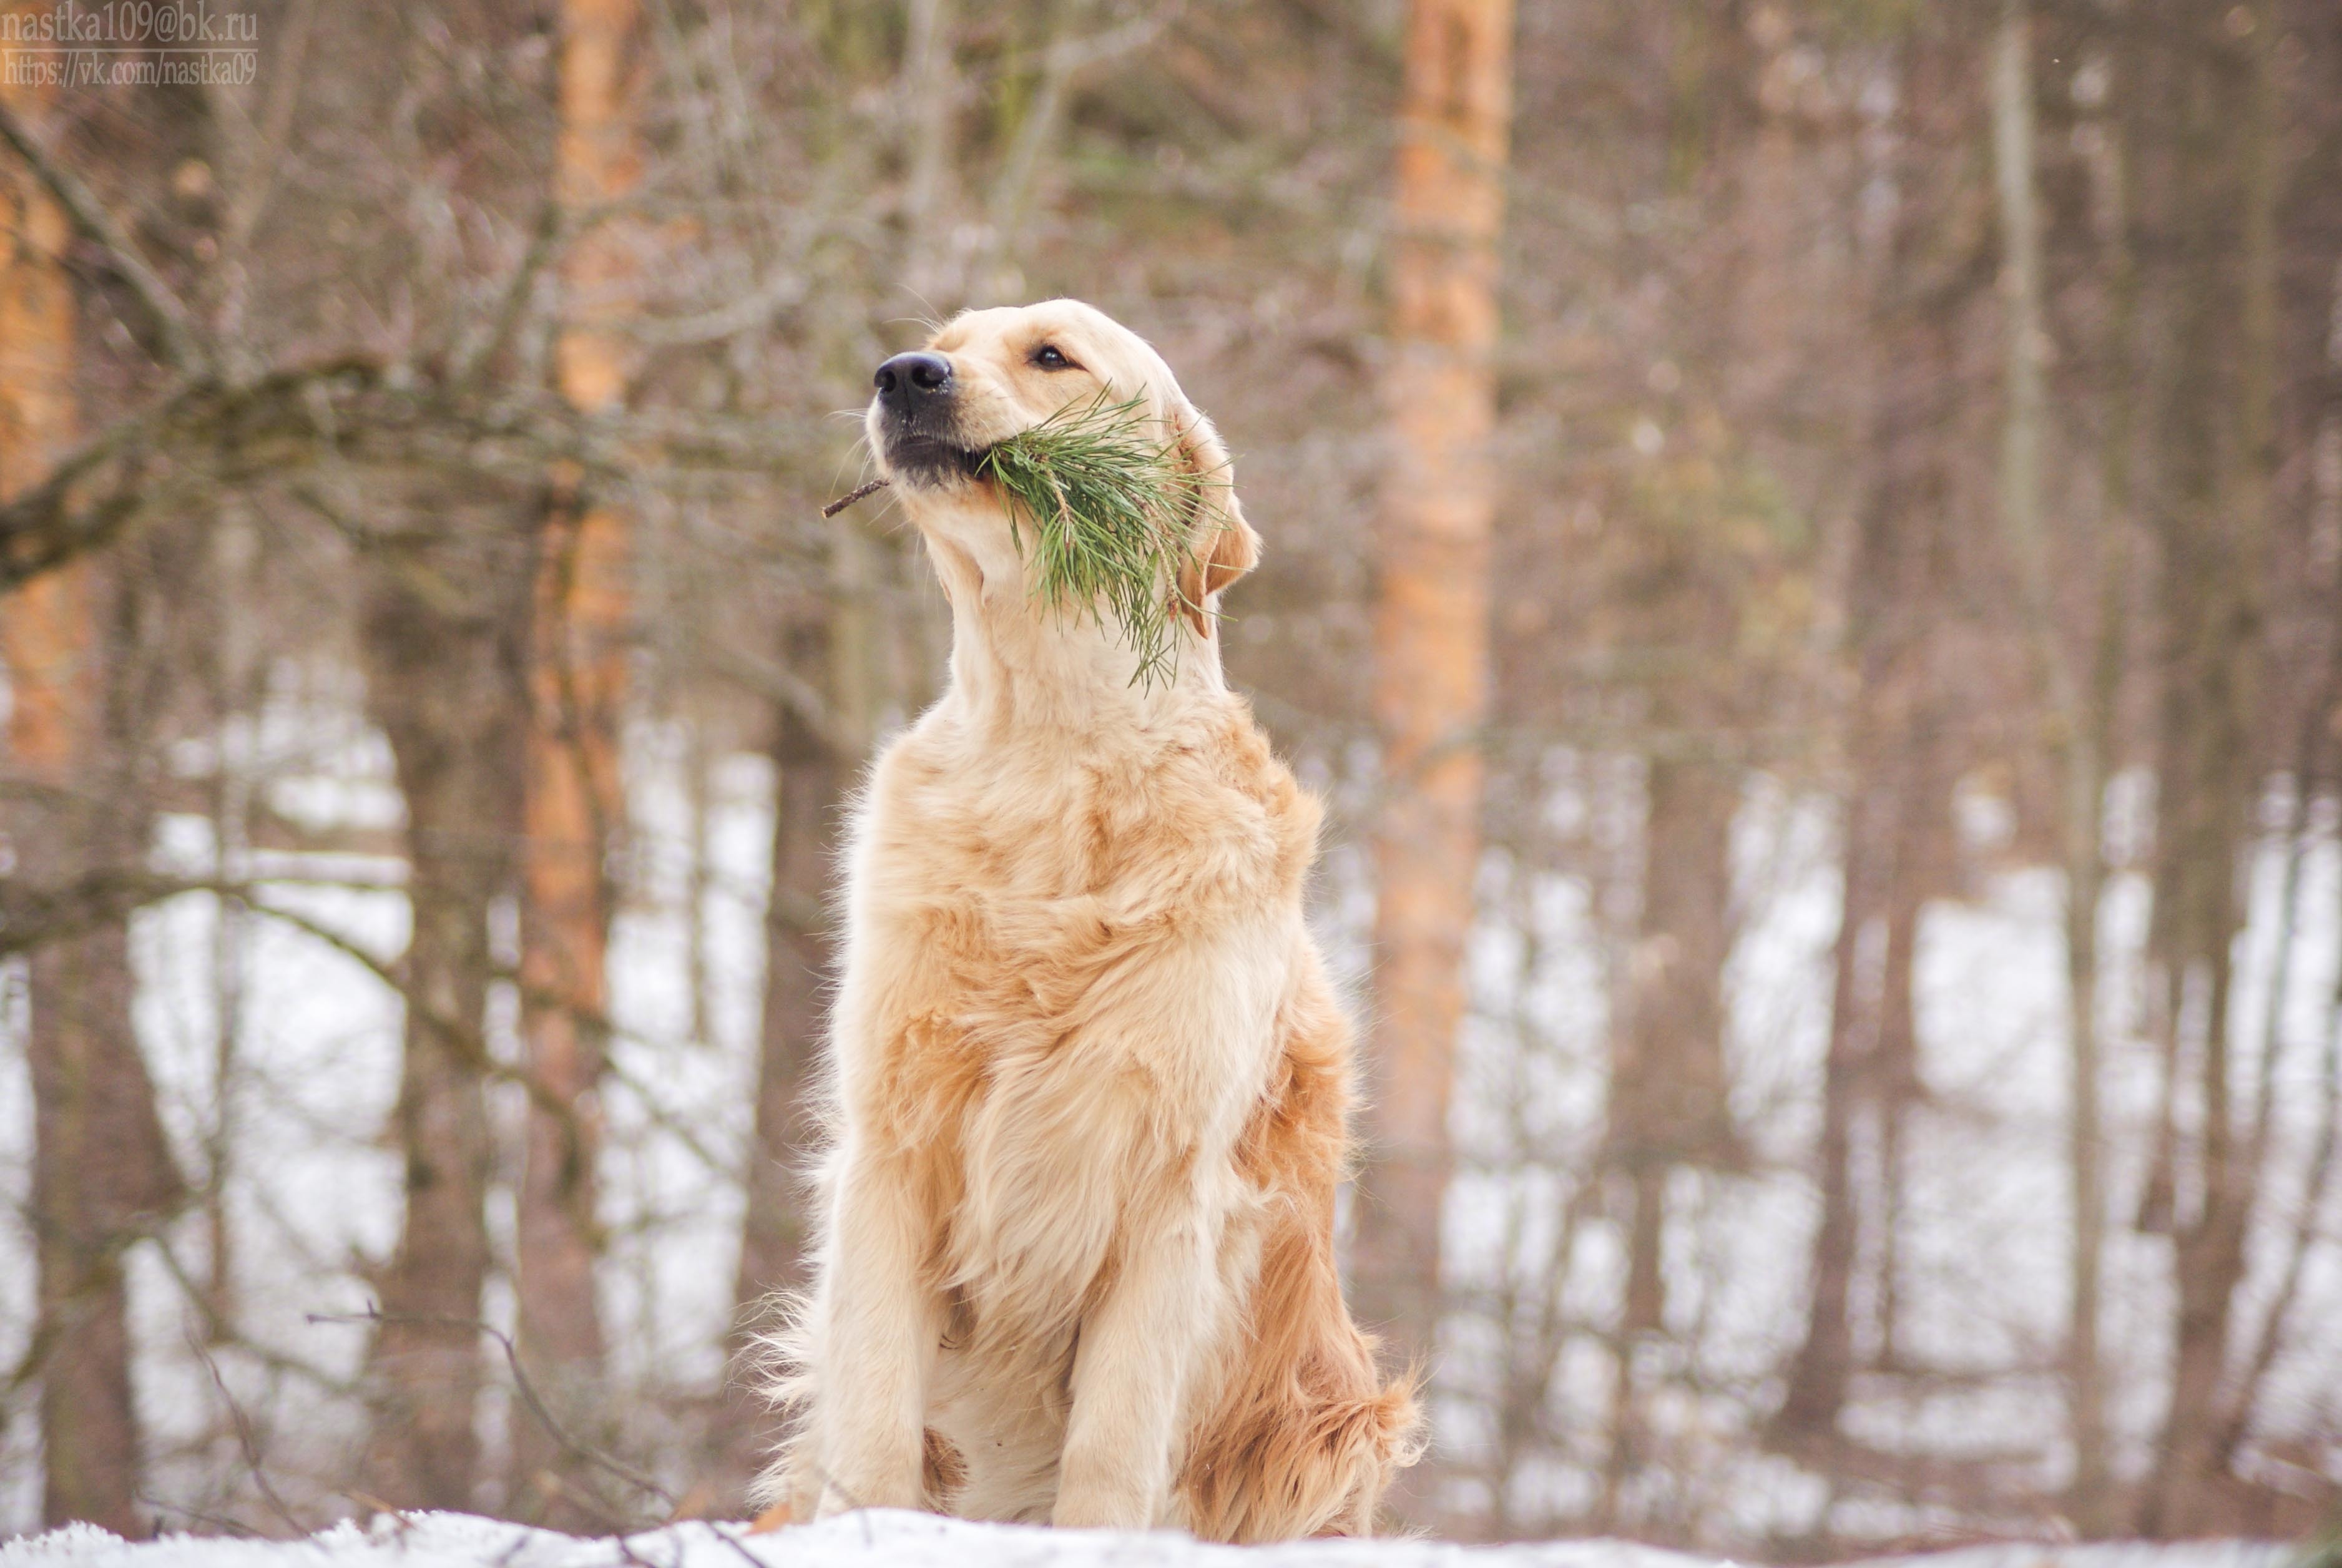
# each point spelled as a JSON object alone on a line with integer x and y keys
{"x": 909, "y": 378}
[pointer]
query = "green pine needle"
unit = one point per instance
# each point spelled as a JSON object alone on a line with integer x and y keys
{"x": 1111, "y": 508}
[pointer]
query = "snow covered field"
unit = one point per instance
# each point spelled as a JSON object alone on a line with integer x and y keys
{"x": 919, "y": 1540}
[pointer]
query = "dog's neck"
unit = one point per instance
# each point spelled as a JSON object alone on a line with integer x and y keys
{"x": 1019, "y": 664}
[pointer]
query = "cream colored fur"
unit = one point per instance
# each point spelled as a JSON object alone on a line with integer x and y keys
{"x": 1089, "y": 1081}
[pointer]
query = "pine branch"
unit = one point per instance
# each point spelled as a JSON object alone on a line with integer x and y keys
{"x": 1110, "y": 507}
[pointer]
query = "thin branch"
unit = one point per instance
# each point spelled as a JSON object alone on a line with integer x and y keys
{"x": 547, "y": 236}
{"x": 202, "y": 430}
{"x": 235, "y": 1527}
{"x": 223, "y": 1332}
{"x": 747, "y": 313}
{"x": 245, "y": 1440}
{"x": 34, "y": 918}
{"x": 1013, "y": 187}
{"x": 776, "y": 683}
{"x": 274, "y": 129}
{"x": 1101, "y": 48}
{"x": 1069, "y": 57}
{"x": 399, "y": 1516}
{"x": 181, "y": 344}
{"x": 851, "y": 496}
{"x": 560, "y": 1434}
{"x": 353, "y": 408}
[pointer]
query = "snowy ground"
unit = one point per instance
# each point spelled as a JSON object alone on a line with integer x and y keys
{"x": 910, "y": 1539}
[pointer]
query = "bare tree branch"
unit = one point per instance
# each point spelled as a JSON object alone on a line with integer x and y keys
{"x": 245, "y": 1440}
{"x": 179, "y": 341}
{"x": 180, "y": 451}
{"x": 569, "y": 1442}
{"x": 547, "y": 236}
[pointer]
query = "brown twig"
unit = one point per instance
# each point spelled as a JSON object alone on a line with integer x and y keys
{"x": 235, "y": 1527}
{"x": 626, "y": 1548}
{"x": 619, "y": 1535}
{"x": 519, "y": 1544}
{"x": 404, "y": 1520}
{"x": 573, "y": 1446}
{"x": 555, "y": 1487}
{"x": 851, "y": 496}
{"x": 245, "y": 1440}
{"x": 715, "y": 1527}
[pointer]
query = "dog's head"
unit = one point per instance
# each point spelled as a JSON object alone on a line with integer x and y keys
{"x": 990, "y": 375}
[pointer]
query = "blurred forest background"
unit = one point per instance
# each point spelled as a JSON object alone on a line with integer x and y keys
{"x": 1808, "y": 574}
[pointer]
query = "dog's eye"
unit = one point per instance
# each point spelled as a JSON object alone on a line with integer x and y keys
{"x": 1049, "y": 356}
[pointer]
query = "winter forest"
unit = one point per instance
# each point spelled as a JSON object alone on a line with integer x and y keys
{"x": 1803, "y": 550}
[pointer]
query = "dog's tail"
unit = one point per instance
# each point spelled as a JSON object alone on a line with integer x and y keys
{"x": 1302, "y": 1461}
{"x": 1369, "y": 1442}
{"x": 1308, "y": 1431}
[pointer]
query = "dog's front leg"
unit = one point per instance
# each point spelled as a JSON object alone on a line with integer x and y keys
{"x": 1138, "y": 1349}
{"x": 882, "y": 1324}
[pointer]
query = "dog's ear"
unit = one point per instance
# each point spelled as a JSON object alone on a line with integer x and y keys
{"x": 1221, "y": 546}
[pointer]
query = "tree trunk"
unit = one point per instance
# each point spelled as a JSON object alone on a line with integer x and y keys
{"x": 1668, "y": 1087}
{"x": 810, "y": 785}
{"x": 103, "y": 1177}
{"x": 2076, "y": 709}
{"x": 1431, "y": 630}
{"x": 574, "y": 800}
{"x": 573, "y": 805}
{"x": 1669, "y": 1091}
{"x": 1817, "y": 1379}
{"x": 2092, "y": 1505}
{"x": 2217, "y": 434}
{"x": 444, "y": 638}
{"x": 102, "y": 1173}
{"x": 1893, "y": 802}
{"x": 1668, "y": 1100}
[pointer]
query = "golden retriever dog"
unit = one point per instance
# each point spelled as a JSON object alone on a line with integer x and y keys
{"x": 1089, "y": 1082}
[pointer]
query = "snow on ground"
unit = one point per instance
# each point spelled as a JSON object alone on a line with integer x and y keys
{"x": 915, "y": 1540}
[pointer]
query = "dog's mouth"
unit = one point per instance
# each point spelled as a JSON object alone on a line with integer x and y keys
{"x": 924, "y": 460}
{"x": 930, "y": 459}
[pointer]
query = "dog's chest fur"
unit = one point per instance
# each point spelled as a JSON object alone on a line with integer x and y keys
{"x": 1097, "y": 938}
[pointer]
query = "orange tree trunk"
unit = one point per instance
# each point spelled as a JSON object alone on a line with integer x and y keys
{"x": 46, "y": 627}
{"x": 102, "y": 1173}
{"x": 1431, "y": 628}
{"x": 573, "y": 800}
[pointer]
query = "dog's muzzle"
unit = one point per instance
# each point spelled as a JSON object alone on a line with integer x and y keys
{"x": 916, "y": 418}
